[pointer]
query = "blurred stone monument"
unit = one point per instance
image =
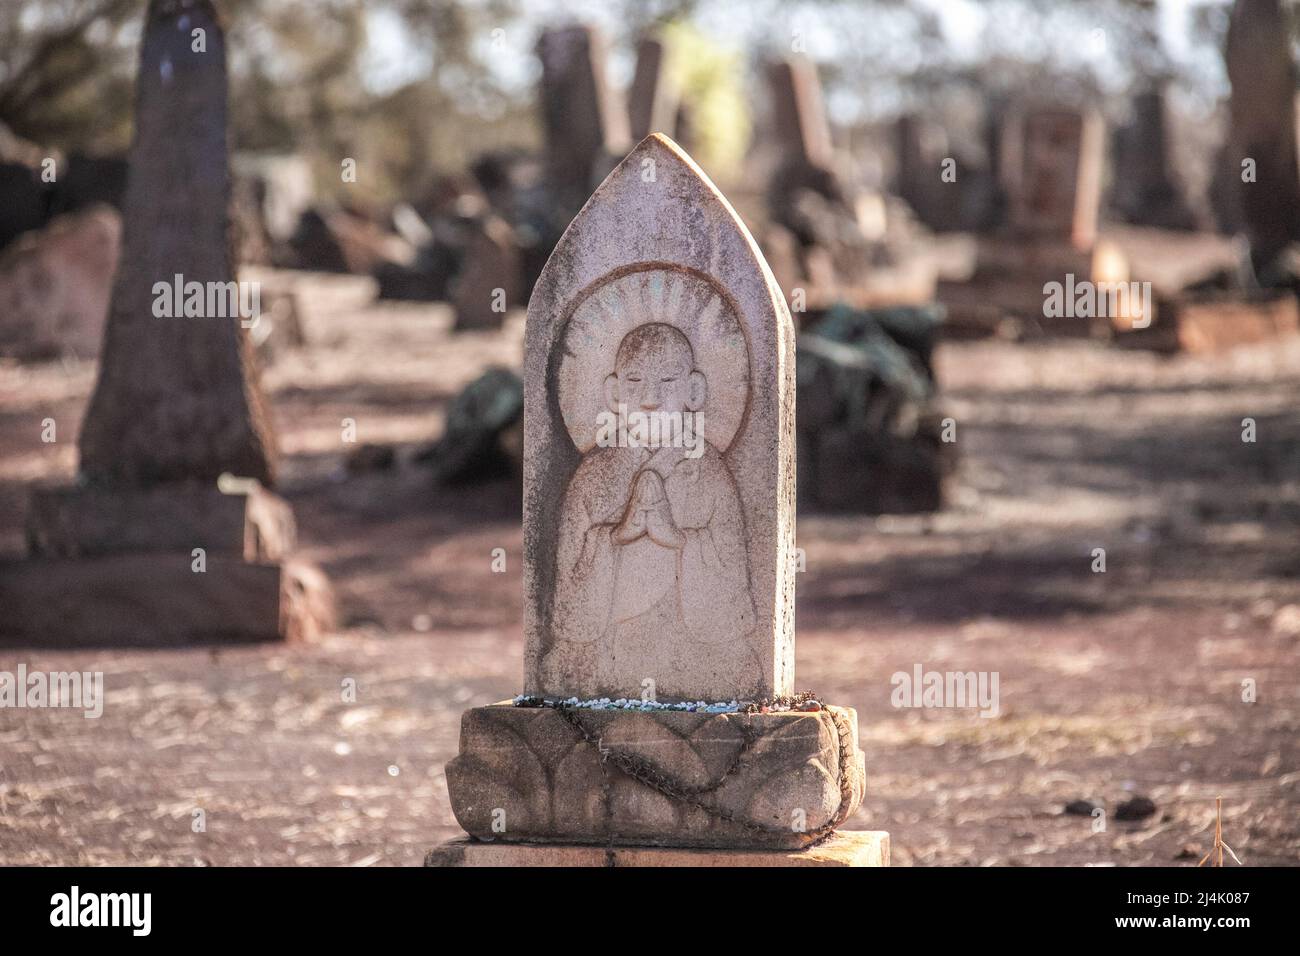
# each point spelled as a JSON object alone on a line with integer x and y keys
{"x": 584, "y": 123}
{"x": 653, "y": 100}
{"x": 1147, "y": 189}
{"x": 803, "y": 187}
{"x": 920, "y": 147}
{"x": 488, "y": 283}
{"x": 169, "y": 534}
{"x": 658, "y": 724}
{"x": 1050, "y": 164}
{"x": 1263, "y": 133}
{"x": 55, "y": 284}
{"x": 821, "y": 236}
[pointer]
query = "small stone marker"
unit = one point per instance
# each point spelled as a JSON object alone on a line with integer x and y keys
{"x": 156, "y": 544}
{"x": 1049, "y": 166}
{"x": 1051, "y": 163}
{"x": 1263, "y": 110}
{"x": 658, "y": 551}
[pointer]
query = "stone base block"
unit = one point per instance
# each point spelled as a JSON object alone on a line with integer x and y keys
{"x": 1006, "y": 295}
{"x": 1214, "y": 323}
{"x": 157, "y": 599}
{"x": 665, "y": 778}
{"x": 842, "y": 848}
{"x": 253, "y": 524}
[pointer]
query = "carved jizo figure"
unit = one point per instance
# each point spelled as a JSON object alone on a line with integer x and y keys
{"x": 656, "y": 554}
{"x": 657, "y": 557}
{"x": 652, "y": 539}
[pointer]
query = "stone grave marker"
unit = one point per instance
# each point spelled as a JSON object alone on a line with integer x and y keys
{"x": 585, "y": 125}
{"x": 659, "y": 454}
{"x": 1052, "y": 164}
{"x": 1147, "y": 188}
{"x": 489, "y": 282}
{"x": 652, "y": 101}
{"x": 1263, "y": 128}
{"x": 173, "y": 401}
{"x": 799, "y": 117}
{"x": 169, "y": 534}
{"x": 1049, "y": 165}
{"x": 55, "y": 284}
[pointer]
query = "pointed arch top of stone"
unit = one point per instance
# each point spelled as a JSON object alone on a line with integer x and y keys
{"x": 658, "y": 214}
{"x": 658, "y": 206}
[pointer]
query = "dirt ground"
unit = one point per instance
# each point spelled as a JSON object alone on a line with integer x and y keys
{"x": 1114, "y": 684}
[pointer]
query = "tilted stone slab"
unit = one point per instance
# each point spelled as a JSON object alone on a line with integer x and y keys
{"x": 659, "y": 778}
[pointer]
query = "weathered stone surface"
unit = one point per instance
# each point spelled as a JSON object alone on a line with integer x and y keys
{"x": 842, "y": 848}
{"x": 645, "y": 564}
{"x": 658, "y": 544}
{"x": 1263, "y": 113}
{"x": 667, "y": 778}
{"x": 155, "y": 599}
{"x": 55, "y": 284}
{"x": 70, "y": 522}
{"x": 1051, "y": 164}
{"x": 177, "y": 398}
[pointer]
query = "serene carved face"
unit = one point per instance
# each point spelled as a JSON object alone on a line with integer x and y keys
{"x": 654, "y": 371}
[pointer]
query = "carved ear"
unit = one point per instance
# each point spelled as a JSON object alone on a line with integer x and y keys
{"x": 699, "y": 391}
{"x": 611, "y": 393}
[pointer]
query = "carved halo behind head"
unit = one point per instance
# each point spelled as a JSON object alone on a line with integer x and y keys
{"x": 611, "y": 308}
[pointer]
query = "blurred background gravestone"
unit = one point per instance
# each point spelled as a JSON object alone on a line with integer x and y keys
{"x": 170, "y": 534}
